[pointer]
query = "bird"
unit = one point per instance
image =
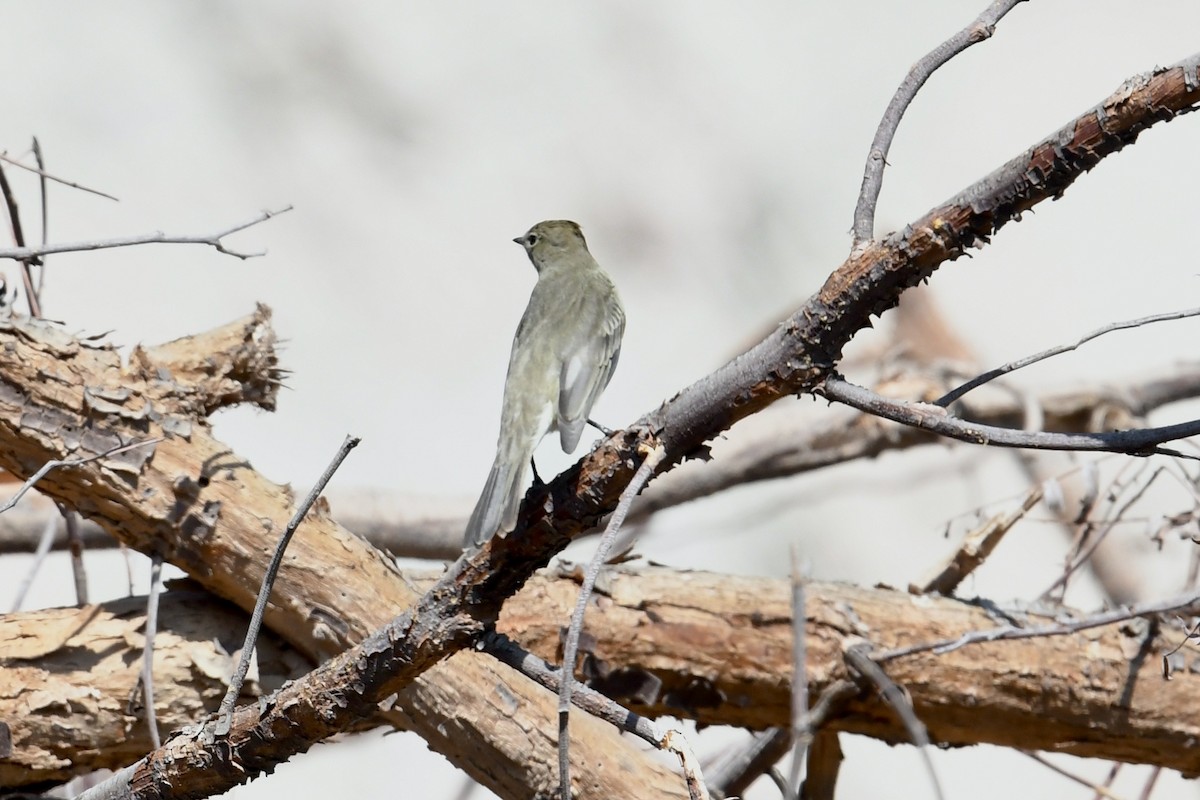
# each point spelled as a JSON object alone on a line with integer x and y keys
{"x": 563, "y": 356}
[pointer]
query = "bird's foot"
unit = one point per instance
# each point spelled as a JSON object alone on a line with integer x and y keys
{"x": 601, "y": 428}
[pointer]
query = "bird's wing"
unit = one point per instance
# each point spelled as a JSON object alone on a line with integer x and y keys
{"x": 585, "y": 373}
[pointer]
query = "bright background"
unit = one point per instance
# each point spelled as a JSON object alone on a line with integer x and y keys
{"x": 713, "y": 154}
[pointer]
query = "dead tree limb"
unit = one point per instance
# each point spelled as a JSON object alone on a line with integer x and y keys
{"x": 703, "y": 646}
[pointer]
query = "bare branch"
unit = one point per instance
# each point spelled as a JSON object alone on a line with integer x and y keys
{"x": 212, "y": 240}
{"x": 859, "y": 659}
{"x": 71, "y": 462}
{"x": 1090, "y": 539}
{"x": 793, "y": 450}
{"x": 47, "y": 176}
{"x": 1012, "y": 366}
{"x": 824, "y": 763}
{"x": 203, "y": 507}
{"x": 571, "y": 646}
{"x": 598, "y": 705}
{"x": 746, "y": 625}
{"x": 421, "y": 526}
{"x": 1189, "y": 602}
{"x": 41, "y": 162}
{"x": 14, "y": 218}
{"x": 974, "y": 549}
{"x": 801, "y": 729}
{"x": 39, "y": 557}
{"x": 268, "y": 581}
{"x": 802, "y": 351}
{"x": 1101, "y": 791}
{"x": 675, "y": 742}
{"x": 1142, "y": 441}
{"x": 75, "y": 548}
{"x": 979, "y": 30}
{"x": 148, "y": 649}
{"x": 509, "y": 652}
{"x": 741, "y": 767}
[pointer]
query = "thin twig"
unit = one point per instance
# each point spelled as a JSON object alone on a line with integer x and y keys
{"x": 126, "y": 554}
{"x": 75, "y": 548}
{"x": 801, "y": 732}
{"x": 148, "y": 649}
{"x": 1103, "y": 791}
{"x": 1150, "y": 781}
{"x": 1189, "y": 601}
{"x": 675, "y": 742}
{"x": 830, "y": 701}
{"x": 1190, "y": 634}
{"x": 975, "y": 548}
{"x": 1096, "y": 538}
{"x": 41, "y": 162}
{"x": 509, "y": 652}
{"x": 213, "y": 240}
{"x": 71, "y": 462}
{"x": 799, "y": 449}
{"x": 1108, "y": 779}
{"x": 979, "y": 30}
{"x": 264, "y": 592}
{"x": 1138, "y": 441}
{"x": 14, "y": 218}
{"x": 734, "y": 773}
{"x": 859, "y": 659}
{"x": 39, "y": 170}
{"x": 39, "y": 557}
{"x": 571, "y": 646}
{"x": 1013, "y": 366}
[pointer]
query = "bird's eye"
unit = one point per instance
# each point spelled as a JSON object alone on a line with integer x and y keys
{"x": 531, "y": 239}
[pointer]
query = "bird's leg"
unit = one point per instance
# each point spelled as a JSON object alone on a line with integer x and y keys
{"x": 537, "y": 479}
{"x": 599, "y": 427}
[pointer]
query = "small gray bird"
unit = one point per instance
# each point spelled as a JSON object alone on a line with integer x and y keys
{"x": 563, "y": 355}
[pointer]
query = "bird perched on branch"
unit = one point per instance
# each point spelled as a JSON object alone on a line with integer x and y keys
{"x": 563, "y": 356}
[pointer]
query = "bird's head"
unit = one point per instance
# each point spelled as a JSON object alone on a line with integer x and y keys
{"x": 552, "y": 241}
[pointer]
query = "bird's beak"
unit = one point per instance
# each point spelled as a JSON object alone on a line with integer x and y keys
{"x": 518, "y": 241}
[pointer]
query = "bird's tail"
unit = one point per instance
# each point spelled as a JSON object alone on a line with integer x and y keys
{"x": 498, "y": 504}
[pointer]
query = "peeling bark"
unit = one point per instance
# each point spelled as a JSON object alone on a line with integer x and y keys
{"x": 701, "y": 646}
{"x": 70, "y": 680}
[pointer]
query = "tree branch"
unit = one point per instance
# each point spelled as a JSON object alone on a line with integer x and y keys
{"x": 714, "y": 647}
{"x": 212, "y": 240}
{"x": 1141, "y": 441}
{"x": 979, "y": 30}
